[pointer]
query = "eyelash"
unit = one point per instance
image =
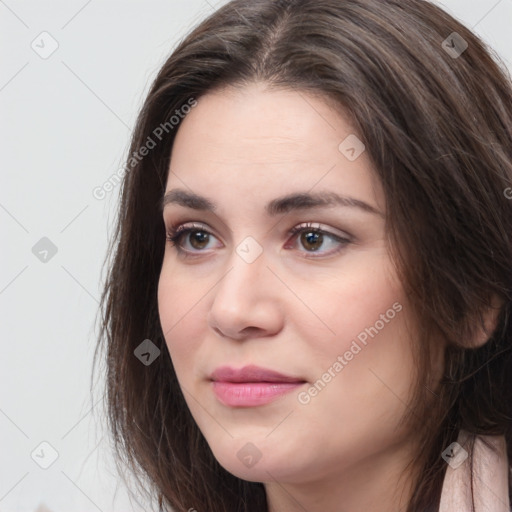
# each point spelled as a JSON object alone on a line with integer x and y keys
{"x": 175, "y": 233}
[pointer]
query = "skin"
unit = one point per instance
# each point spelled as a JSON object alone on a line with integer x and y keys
{"x": 293, "y": 310}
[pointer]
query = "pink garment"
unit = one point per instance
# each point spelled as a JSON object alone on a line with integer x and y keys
{"x": 490, "y": 481}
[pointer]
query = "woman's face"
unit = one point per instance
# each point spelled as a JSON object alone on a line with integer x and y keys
{"x": 323, "y": 308}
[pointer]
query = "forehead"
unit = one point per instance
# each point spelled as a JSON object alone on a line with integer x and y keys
{"x": 270, "y": 142}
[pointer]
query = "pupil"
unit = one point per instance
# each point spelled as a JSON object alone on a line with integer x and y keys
{"x": 312, "y": 238}
{"x": 199, "y": 237}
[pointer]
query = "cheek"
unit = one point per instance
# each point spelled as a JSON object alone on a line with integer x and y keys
{"x": 179, "y": 304}
{"x": 369, "y": 346}
{"x": 353, "y": 411}
{"x": 352, "y": 301}
{"x": 374, "y": 369}
{"x": 360, "y": 387}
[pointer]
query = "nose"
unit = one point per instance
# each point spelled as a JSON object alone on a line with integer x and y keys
{"x": 246, "y": 302}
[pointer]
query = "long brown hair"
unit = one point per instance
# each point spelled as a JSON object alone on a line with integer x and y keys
{"x": 436, "y": 119}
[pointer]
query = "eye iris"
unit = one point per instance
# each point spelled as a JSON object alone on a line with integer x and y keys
{"x": 310, "y": 237}
{"x": 198, "y": 237}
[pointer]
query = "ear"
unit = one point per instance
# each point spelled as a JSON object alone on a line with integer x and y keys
{"x": 487, "y": 322}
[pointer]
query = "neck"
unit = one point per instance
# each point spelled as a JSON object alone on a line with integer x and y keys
{"x": 379, "y": 483}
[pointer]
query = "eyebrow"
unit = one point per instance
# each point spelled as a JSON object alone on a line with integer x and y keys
{"x": 280, "y": 205}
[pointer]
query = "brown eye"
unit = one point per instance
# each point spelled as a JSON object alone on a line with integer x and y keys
{"x": 189, "y": 239}
{"x": 314, "y": 239}
{"x": 198, "y": 239}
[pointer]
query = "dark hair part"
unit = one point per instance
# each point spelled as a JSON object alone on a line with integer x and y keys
{"x": 438, "y": 131}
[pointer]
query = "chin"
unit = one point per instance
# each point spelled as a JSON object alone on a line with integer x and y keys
{"x": 255, "y": 461}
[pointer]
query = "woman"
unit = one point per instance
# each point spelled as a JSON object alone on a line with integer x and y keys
{"x": 308, "y": 305}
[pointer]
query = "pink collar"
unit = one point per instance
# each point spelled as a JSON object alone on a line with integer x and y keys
{"x": 490, "y": 481}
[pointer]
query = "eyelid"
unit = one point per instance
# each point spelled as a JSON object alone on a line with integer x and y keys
{"x": 342, "y": 239}
{"x": 176, "y": 230}
{"x": 321, "y": 227}
{"x": 182, "y": 226}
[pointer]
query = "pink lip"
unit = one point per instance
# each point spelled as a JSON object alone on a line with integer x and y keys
{"x": 251, "y": 385}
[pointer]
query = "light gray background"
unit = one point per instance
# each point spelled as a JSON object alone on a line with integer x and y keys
{"x": 65, "y": 126}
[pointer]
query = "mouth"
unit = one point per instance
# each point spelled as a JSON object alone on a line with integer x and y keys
{"x": 251, "y": 385}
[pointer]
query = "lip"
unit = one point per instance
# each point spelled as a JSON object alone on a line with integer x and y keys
{"x": 250, "y": 373}
{"x": 251, "y": 385}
